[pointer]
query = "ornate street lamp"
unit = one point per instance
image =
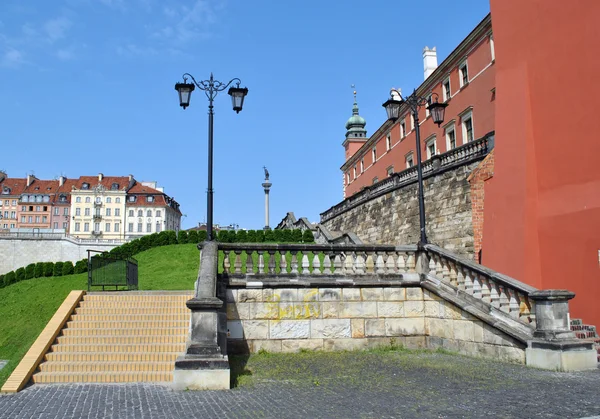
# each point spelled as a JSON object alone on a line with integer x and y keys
{"x": 211, "y": 87}
{"x": 414, "y": 102}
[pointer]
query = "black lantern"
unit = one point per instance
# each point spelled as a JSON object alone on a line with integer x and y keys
{"x": 185, "y": 91}
{"x": 392, "y": 107}
{"x": 437, "y": 111}
{"x": 237, "y": 97}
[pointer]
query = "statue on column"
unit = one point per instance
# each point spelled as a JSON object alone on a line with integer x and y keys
{"x": 266, "y": 173}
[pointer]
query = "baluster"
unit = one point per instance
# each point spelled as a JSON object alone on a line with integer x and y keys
{"x": 525, "y": 312}
{"x": 379, "y": 264}
{"x": 445, "y": 272}
{"x": 468, "y": 282}
{"x": 327, "y": 264}
{"x": 485, "y": 289}
{"x": 271, "y": 262}
{"x": 226, "y": 262}
{"x": 432, "y": 266}
{"x": 476, "y": 286}
{"x": 359, "y": 264}
{"x": 238, "y": 261}
{"x": 305, "y": 265}
{"x": 338, "y": 265}
{"x": 282, "y": 264}
{"x": 316, "y": 264}
{"x": 514, "y": 305}
{"x": 261, "y": 262}
{"x": 460, "y": 278}
{"x": 504, "y": 299}
{"x": 294, "y": 263}
{"x": 494, "y": 294}
{"x": 349, "y": 264}
{"x": 532, "y": 312}
{"x": 249, "y": 263}
{"x": 411, "y": 262}
{"x": 401, "y": 264}
{"x": 369, "y": 264}
{"x": 453, "y": 275}
{"x": 439, "y": 267}
{"x": 390, "y": 265}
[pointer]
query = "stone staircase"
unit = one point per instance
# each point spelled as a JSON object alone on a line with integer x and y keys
{"x": 117, "y": 337}
{"x": 586, "y": 332}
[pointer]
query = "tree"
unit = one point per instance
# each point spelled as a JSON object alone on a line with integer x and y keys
{"x": 171, "y": 237}
{"x": 269, "y": 236}
{"x": 307, "y": 236}
{"x": 67, "y": 268}
{"x": 286, "y": 236}
{"x": 10, "y": 278}
{"x": 251, "y": 236}
{"x": 58, "y": 269}
{"x": 260, "y": 236}
{"x": 193, "y": 237}
{"x": 81, "y": 266}
{"x": 30, "y": 271}
{"x": 20, "y": 273}
{"x": 48, "y": 269}
{"x": 297, "y": 235}
{"x": 241, "y": 236}
{"x": 182, "y": 237}
{"x": 202, "y": 236}
{"x": 39, "y": 270}
{"x": 278, "y": 235}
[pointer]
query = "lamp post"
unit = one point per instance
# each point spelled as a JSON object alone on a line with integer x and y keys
{"x": 415, "y": 102}
{"x": 210, "y": 87}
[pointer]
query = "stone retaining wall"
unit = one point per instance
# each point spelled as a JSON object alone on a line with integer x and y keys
{"x": 347, "y": 318}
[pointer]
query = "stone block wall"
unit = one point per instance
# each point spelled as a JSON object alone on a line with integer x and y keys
{"x": 347, "y": 318}
{"x": 394, "y": 217}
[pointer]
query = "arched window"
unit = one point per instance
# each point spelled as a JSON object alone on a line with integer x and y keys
{"x": 78, "y": 199}
{"x": 108, "y": 200}
{"x": 140, "y": 213}
{"x": 149, "y": 213}
{"x": 87, "y": 199}
{"x": 158, "y": 213}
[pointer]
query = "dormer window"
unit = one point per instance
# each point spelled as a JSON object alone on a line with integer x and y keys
{"x": 150, "y": 199}
{"x": 131, "y": 198}
{"x": 85, "y": 186}
{"x": 114, "y": 187}
{"x": 6, "y": 190}
{"x": 25, "y": 198}
{"x": 62, "y": 198}
{"x": 37, "y": 188}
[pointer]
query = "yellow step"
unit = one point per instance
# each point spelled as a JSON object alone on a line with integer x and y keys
{"x": 180, "y": 310}
{"x": 112, "y": 356}
{"x": 135, "y": 339}
{"x": 80, "y": 366}
{"x": 129, "y": 318}
{"x": 141, "y": 298}
{"x": 133, "y": 304}
{"x": 149, "y": 347}
{"x": 102, "y": 377}
{"x": 126, "y": 324}
{"x": 163, "y": 331}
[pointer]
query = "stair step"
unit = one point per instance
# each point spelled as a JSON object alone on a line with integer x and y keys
{"x": 129, "y": 317}
{"x": 162, "y": 331}
{"x": 133, "y": 304}
{"x": 134, "y": 339}
{"x": 102, "y": 377}
{"x": 112, "y": 356}
{"x": 82, "y": 366}
{"x": 141, "y": 298}
{"x": 127, "y": 324}
{"x": 125, "y": 311}
{"x": 149, "y": 347}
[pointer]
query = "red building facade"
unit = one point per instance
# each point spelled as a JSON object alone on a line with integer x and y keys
{"x": 465, "y": 80}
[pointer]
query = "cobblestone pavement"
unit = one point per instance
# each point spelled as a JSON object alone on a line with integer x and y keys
{"x": 423, "y": 385}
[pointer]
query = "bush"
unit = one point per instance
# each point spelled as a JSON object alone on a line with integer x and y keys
{"x": 81, "y": 266}
{"x": 10, "y": 278}
{"x": 20, "y": 274}
{"x": 269, "y": 236}
{"x": 241, "y": 236}
{"x": 286, "y": 236}
{"x": 260, "y": 236}
{"x": 1, "y": 281}
{"x": 182, "y": 237}
{"x": 146, "y": 242}
{"x": 297, "y": 235}
{"x": 171, "y": 237}
{"x": 223, "y": 236}
{"x": 278, "y": 235}
{"x": 251, "y": 236}
{"x": 67, "y": 268}
{"x": 202, "y": 236}
{"x": 58, "y": 269}
{"x": 30, "y": 271}
{"x": 39, "y": 270}
{"x": 48, "y": 268}
{"x": 192, "y": 236}
{"x": 307, "y": 236}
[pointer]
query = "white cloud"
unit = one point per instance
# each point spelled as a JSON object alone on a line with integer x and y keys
{"x": 131, "y": 49}
{"x": 12, "y": 58}
{"x": 65, "y": 54}
{"x": 55, "y": 29}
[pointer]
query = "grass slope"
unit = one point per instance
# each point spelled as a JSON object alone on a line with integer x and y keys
{"x": 27, "y": 306}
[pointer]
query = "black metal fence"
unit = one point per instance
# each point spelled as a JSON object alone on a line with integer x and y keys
{"x": 106, "y": 270}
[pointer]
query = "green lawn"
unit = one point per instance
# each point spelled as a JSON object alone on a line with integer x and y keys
{"x": 27, "y": 306}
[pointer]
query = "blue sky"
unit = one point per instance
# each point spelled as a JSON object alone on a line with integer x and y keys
{"x": 87, "y": 86}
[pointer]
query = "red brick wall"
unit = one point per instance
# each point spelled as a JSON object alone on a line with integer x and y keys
{"x": 477, "y": 179}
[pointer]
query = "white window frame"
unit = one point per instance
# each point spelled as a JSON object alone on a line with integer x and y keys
{"x": 354, "y": 172}
{"x": 374, "y": 154}
{"x": 409, "y": 157}
{"x": 428, "y": 142}
{"x": 428, "y": 99}
{"x": 403, "y": 131}
{"x": 375, "y": 180}
{"x": 447, "y": 129}
{"x": 464, "y": 64}
{"x": 492, "y": 48}
{"x": 362, "y": 165}
{"x": 463, "y": 119}
{"x": 447, "y": 96}
{"x": 412, "y": 121}
{"x": 388, "y": 142}
{"x": 390, "y": 170}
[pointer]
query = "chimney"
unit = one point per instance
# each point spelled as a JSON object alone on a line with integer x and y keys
{"x": 61, "y": 180}
{"x": 429, "y": 61}
{"x": 30, "y": 179}
{"x": 100, "y": 176}
{"x": 130, "y": 178}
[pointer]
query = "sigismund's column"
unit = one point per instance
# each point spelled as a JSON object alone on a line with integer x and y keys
{"x": 267, "y": 186}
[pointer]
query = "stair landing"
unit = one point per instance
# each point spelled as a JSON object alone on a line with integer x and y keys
{"x": 117, "y": 337}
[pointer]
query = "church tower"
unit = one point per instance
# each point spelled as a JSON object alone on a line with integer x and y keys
{"x": 356, "y": 134}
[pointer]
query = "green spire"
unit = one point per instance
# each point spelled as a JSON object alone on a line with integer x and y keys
{"x": 355, "y": 126}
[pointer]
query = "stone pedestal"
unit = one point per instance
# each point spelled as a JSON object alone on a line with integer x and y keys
{"x": 267, "y": 186}
{"x": 555, "y": 346}
{"x": 205, "y": 365}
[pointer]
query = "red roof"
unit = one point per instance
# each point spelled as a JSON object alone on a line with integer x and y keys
{"x": 16, "y": 185}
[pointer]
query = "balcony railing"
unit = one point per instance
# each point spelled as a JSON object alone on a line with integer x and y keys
{"x": 96, "y": 233}
{"x": 97, "y": 217}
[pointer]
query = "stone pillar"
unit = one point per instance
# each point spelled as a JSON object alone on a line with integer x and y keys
{"x": 205, "y": 365}
{"x": 267, "y": 186}
{"x": 555, "y": 346}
